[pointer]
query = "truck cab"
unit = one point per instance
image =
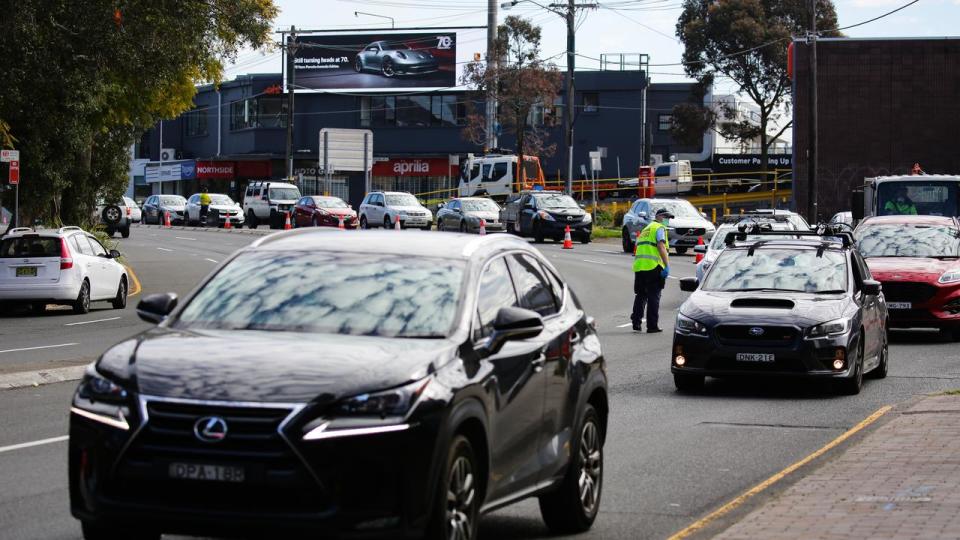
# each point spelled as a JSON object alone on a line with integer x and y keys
{"x": 924, "y": 194}
{"x": 496, "y": 176}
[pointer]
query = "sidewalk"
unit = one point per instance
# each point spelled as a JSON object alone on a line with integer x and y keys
{"x": 901, "y": 481}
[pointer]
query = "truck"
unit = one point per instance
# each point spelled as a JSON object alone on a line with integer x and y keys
{"x": 928, "y": 194}
{"x": 496, "y": 176}
{"x": 671, "y": 178}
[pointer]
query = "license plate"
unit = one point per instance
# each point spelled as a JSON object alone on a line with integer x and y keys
{"x": 214, "y": 473}
{"x": 26, "y": 271}
{"x": 755, "y": 357}
{"x": 899, "y": 305}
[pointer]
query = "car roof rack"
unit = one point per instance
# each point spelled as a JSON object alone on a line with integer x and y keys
{"x": 748, "y": 216}
{"x": 826, "y": 233}
{"x": 69, "y": 228}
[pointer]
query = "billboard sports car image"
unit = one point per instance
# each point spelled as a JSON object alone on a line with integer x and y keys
{"x": 376, "y": 61}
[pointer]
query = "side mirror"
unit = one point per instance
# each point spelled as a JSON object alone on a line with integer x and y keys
{"x": 512, "y": 323}
{"x": 700, "y": 249}
{"x": 871, "y": 287}
{"x": 155, "y": 307}
{"x": 689, "y": 284}
{"x": 642, "y": 215}
{"x": 703, "y": 215}
{"x": 441, "y": 205}
{"x": 114, "y": 254}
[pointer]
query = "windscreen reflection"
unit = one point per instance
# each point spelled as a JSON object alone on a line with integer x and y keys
{"x": 799, "y": 270}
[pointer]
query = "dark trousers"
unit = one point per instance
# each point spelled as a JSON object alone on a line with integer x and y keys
{"x": 647, "y": 286}
{"x": 204, "y": 210}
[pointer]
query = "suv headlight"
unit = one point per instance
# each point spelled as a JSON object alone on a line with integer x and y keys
{"x": 587, "y": 218}
{"x": 686, "y": 325}
{"x": 829, "y": 328}
{"x": 394, "y": 402}
{"x": 101, "y": 400}
{"x": 98, "y": 388}
{"x": 545, "y": 215}
{"x": 951, "y": 276}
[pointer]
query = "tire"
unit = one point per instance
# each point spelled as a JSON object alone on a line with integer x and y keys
{"x": 463, "y": 227}
{"x": 439, "y": 225}
{"x": 572, "y": 509}
{"x": 584, "y": 238}
{"x": 852, "y": 385}
{"x": 252, "y": 220}
{"x": 95, "y": 532}
{"x": 38, "y": 308}
{"x": 125, "y": 232}
{"x": 427, "y": 227}
{"x": 688, "y": 383}
{"x": 273, "y": 220}
{"x": 82, "y": 304}
{"x": 537, "y": 232}
{"x": 681, "y": 250}
{"x": 457, "y": 500}
{"x": 386, "y": 68}
{"x": 387, "y": 224}
{"x": 111, "y": 231}
{"x": 363, "y": 222}
{"x": 111, "y": 215}
{"x": 120, "y": 301}
{"x": 627, "y": 241}
{"x": 316, "y": 221}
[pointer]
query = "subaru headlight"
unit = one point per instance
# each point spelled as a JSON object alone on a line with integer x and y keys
{"x": 828, "y": 329}
{"x": 686, "y": 325}
{"x": 393, "y": 402}
{"x": 587, "y": 218}
{"x": 545, "y": 216}
{"x": 951, "y": 276}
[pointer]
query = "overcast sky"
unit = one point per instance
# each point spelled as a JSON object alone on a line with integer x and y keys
{"x": 641, "y": 26}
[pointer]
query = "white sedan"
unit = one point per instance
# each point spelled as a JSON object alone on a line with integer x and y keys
{"x": 223, "y": 204}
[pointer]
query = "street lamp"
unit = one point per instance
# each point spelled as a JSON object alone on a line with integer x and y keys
{"x": 393, "y": 23}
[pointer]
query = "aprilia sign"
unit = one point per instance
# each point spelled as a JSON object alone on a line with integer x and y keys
{"x": 415, "y": 167}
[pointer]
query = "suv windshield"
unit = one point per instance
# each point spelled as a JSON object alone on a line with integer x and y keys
{"x": 782, "y": 269}
{"x": 284, "y": 194}
{"x": 221, "y": 199}
{"x": 334, "y": 293}
{"x": 676, "y": 208}
{"x": 557, "y": 201}
{"x": 902, "y": 240}
{"x": 173, "y": 201}
{"x": 402, "y": 199}
{"x": 481, "y": 205}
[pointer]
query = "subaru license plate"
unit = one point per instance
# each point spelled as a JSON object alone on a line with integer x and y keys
{"x": 214, "y": 473}
{"x": 755, "y": 357}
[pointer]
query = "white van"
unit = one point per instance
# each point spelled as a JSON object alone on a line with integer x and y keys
{"x": 265, "y": 201}
{"x": 673, "y": 178}
{"x": 495, "y": 175}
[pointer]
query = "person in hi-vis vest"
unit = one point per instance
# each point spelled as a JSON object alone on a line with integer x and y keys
{"x": 651, "y": 266}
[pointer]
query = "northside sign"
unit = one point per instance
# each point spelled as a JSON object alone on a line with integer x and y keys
{"x": 216, "y": 169}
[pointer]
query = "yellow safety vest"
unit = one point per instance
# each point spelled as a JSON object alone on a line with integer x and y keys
{"x": 647, "y": 256}
{"x": 204, "y": 199}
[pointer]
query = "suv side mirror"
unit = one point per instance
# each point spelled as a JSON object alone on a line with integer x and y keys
{"x": 689, "y": 284}
{"x": 512, "y": 323}
{"x": 871, "y": 287}
{"x": 114, "y": 254}
{"x": 700, "y": 248}
{"x": 642, "y": 215}
{"x": 155, "y": 307}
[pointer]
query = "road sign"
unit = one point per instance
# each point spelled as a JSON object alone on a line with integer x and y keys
{"x": 14, "y": 173}
{"x": 346, "y": 150}
{"x": 9, "y": 155}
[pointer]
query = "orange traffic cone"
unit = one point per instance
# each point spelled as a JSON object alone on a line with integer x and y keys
{"x": 567, "y": 241}
{"x": 166, "y": 219}
{"x": 226, "y": 224}
{"x": 340, "y": 223}
{"x": 396, "y": 224}
{"x": 286, "y": 224}
{"x": 699, "y": 256}
{"x": 483, "y": 227}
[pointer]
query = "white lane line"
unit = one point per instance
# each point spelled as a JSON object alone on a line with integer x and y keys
{"x": 594, "y": 262}
{"x": 609, "y": 251}
{"x": 38, "y": 348}
{"x": 624, "y": 325}
{"x": 183, "y": 238}
{"x": 213, "y": 261}
{"x": 51, "y": 440}
{"x": 91, "y": 322}
{"x": 164, "y": 249}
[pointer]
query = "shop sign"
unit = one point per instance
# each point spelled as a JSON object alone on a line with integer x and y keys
{"x": 415, "y": 167}
{"x": 215, "y": 170}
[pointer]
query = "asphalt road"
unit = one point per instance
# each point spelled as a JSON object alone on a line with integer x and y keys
{"x": 670, "y": 458}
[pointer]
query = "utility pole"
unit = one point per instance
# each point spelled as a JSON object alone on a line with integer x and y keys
{"x": 571, "y": 96}
{"x": 493, "y": 63}
{"x": 291, "y": 48}
{"x": 812, "y": 210}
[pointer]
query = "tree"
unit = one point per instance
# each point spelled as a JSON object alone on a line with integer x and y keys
{"x": 746, "y": 41}
{"x": 523, "y": 80}
{"x": 80, "y": 85}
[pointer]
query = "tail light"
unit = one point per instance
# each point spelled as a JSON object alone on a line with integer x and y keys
{"x": 66, "y": 261}
{"x": 129, "y": 211}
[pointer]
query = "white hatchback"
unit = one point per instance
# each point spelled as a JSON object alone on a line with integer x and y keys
{"x": 60, "y": 266}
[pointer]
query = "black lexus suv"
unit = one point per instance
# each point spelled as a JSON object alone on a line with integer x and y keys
{"x": 804, "y": 306}
{"x": 348, "y": 385}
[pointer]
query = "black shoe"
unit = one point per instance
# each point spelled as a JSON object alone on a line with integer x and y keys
{"x": 654, "y": 330}
{"x": 637, "y": 328}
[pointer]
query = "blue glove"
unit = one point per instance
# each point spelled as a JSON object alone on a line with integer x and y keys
{"x": 665, "y": 272}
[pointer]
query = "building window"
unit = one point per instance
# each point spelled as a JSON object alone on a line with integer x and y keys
{"x": 196, "y": 121}
{"x": 411, "y": 111}
{"x": 591, "y": 102}
{"x": 265, "y": 111}
{"x": 664, "y": 122}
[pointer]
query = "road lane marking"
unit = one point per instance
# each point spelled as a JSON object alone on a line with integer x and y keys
{"x": 213, "y": 261}
{"x": 91, "y": 322}
{"x": 610, "y": 251}
{"x": 136, "y": 282}
{"x": 594, "y": 262}
{"x": 20, "y": 446}
{"x": 725, "y": 509}
{"x": 184, "y": 238}
{"x": 628, "y": 324}
{"x": 38, "y": 348}
{"x": 164, "y": 249}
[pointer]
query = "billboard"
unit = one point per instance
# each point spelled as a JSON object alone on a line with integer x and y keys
{"x": 385, "y": 60}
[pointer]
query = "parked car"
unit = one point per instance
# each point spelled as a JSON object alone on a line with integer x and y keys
{"x": 683, "y": 232}
{"x": 156, "y": 206}
{"x": 221, "y": 207}
{"x": 267, "y": 202}
{"x": 60, "y": 266}
{"x": 712, "y": 250}
{"x": 804, "y": 307}
{"x": 843, "y": 217}
{"x": 321, "y": 211}
{"x": 391, "y": 58}
{"x": 135, "y": 214}
{"x": 384, "y": 208}
{"x": 916, "y": 260}
{"x": 543, "y": 214}
{"x": 798, "y": 222}
{"x": 414, "y": 383}
{"x": 464, "y": 214}
{"x": 114, "y": 217}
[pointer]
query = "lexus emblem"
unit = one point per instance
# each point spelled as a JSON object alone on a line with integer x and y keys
{"x": 756, "y": 331}
{"x": 569, "y": 218}
{"x": 210, "y": 429}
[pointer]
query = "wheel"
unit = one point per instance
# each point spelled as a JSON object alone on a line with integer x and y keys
{"x": 851, "y": 386}
{"x": 358, "y": 65}
{"x": 273, "y": 220}
{"x": 439, "y": 225}
{"x": 463, "y": 226}
{"x": 514, "y": 229}
{"x": 627, "y": 241}
{"x": 457, "y": 501}
{"x": 120, "y": 301}
{"x": 585, "y": 238}
{"x": 82, "y": 304}
{"x": 573, "y": 507}
{"x": 880, "y": 372}
{"x": 537, "y": 232}
{"x": 111, "y": 215}
{"x": 252, "y": 220}
{"x": 316, "y": 221}
{"x": 38, "y": 308}
{"x": 111, "y": 231}
{"x": 688, "y": 383}
{"x": 363, "y": 222}
{"x": 387, "y": 68}
{"x": 387, "y": 224}
{"x": 426, "y": 227}
{"x": 681, "y": 250}
{"x": 125, "y": 232}
{"x": 92, "y": 531}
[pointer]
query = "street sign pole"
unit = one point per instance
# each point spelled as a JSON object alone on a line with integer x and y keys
{"x": 13, "y": 157}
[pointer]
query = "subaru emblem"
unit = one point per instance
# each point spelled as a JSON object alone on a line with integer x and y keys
{"x": 756, "y": 331}
{"x": 210, "y": 429}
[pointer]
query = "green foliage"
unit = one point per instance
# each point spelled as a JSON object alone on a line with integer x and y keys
{"x": 80, "y": 85}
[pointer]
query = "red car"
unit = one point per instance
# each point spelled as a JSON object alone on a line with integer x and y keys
{"x": 917, "y": 259}
{"x": 320, "y": 211}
